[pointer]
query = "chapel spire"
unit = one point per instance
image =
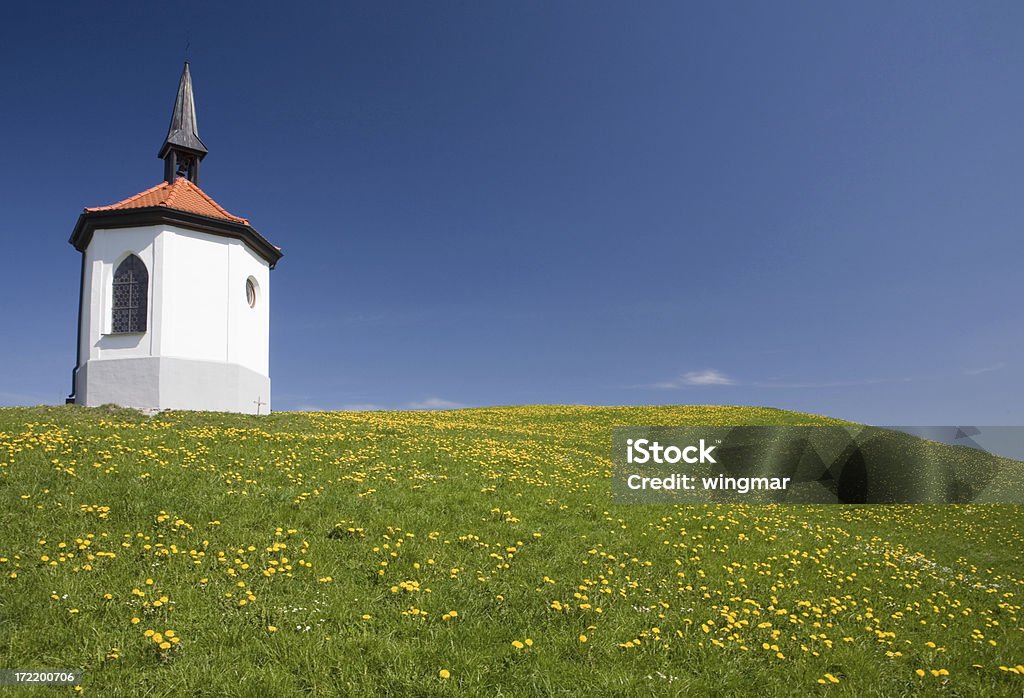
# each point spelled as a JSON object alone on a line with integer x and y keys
{"x": 183, "y": 149}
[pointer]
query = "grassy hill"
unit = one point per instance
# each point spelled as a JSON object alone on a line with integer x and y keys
{"x": 472, "y": 552}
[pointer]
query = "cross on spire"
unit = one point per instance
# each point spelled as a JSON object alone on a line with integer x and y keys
{"x": 183, "y": 149}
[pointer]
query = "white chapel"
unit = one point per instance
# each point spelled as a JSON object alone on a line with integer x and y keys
{"x": 174, "y": 307}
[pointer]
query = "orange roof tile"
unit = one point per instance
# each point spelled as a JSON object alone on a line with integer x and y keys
{"x": 182, "y": 195}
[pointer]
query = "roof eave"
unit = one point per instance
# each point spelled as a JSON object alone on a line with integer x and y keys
{"x": 90, "y": 221}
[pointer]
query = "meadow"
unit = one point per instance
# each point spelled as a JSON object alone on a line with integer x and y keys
{"x": 470, "y": 552}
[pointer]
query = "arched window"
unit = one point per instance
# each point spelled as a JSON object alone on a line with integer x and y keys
{"x": 131, "y": 283}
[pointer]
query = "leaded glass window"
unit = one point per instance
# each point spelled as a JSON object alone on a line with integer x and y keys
{"x": 131, "y": 283}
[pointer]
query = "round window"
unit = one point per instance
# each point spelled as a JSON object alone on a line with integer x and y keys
{"x": 250, "y": 292}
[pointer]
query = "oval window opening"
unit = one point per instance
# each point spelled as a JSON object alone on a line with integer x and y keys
{"x": 250, "y": 293}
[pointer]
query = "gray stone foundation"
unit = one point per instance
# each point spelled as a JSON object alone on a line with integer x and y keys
{"x": 172, "y": 384}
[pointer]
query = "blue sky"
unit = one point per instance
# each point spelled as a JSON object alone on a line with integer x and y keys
{"x": 814, "y": 206}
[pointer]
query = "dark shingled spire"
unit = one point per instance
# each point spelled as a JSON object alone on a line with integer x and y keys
{"x": 183, "y": 149}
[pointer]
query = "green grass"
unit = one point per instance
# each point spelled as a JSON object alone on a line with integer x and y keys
{"x": 503, "y": 515}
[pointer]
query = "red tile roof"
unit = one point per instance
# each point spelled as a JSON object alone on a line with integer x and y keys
{"x": 182, "y": 195}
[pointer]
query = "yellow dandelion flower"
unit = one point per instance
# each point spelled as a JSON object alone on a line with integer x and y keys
{"x": 583, "y": 638}
{"x": 165, "y": 645}
{"x": 444, "y": 674}
{"x": 517, "y": 644}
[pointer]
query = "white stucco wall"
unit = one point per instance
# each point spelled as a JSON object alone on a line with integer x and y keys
{"x": 106, "y": 250}
{"x": 205, "y": 313}
{"x": 248, "y": 327}
{"x": 197, "y": 313}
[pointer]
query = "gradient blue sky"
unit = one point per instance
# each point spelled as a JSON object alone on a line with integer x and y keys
{"x": 815, "y": 206}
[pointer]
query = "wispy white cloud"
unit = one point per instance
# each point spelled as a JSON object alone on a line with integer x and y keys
{"x": 986, "y": 369}
{"x": 430, "y": 403}
{"x": 714, "y": 377}
{"x": 709, "y": 376}
{"x": 434, "y": 403}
